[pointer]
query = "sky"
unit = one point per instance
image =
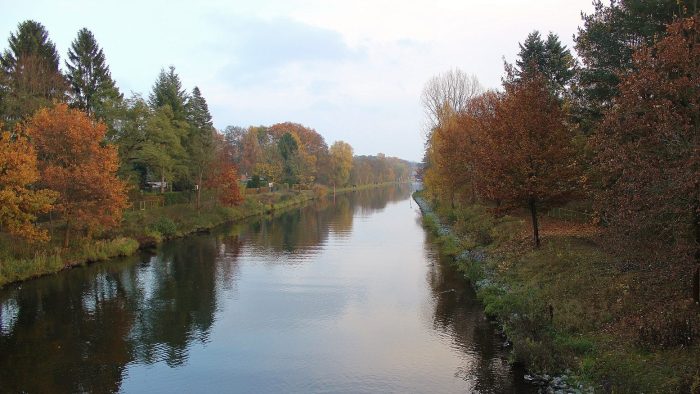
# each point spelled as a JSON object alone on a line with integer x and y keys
{"x": 352, "y": 70}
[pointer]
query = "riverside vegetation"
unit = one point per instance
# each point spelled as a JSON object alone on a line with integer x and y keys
{"x": 83, "y": 167}
{"x": 565, "y": 306}
{"x": 570, "y": 198}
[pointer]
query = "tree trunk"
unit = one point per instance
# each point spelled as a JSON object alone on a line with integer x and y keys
{"x": 696, "y": 224}
{"x": 162, "y": 181}
{"x": 66, "y": 235}
{"x": 199, "y": 191}
{"x": 535, "y": 228}
{"x": 696, "y": 286}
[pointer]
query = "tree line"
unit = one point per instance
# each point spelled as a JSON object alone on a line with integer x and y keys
{"x": 72, "y": 144}
{"x": 616, "y": 130}
{"x": 290, "y": 153}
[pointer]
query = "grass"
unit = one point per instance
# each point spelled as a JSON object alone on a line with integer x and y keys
{"x": 48, "y": 261}
{"x": 569, "y": 306}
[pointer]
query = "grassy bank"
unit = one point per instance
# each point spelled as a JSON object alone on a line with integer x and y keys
{"x": 142, "y": 228}
{"x": 139, "y": 228}
{"x": 568, "y": 307}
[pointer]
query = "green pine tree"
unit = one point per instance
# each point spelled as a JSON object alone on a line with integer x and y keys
{"x": 30, "y": 75}
{"x": 198, "y": 111}
{"x": 92, "y": 88}
{"x": 549, "y": 58}
{"x": 168, "y": 91}
{"x": 200, "y": 142}
{"x": 532, "y": 57}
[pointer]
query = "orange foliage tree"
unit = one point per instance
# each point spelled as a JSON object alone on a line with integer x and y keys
{"x": 19, "y": 203}
{"x": 223, "y": 176}
{"x": 74, "y": 162}
{"x": 648, "y": 150}
{"x": 450, "y": 156}
{"x": 526, "y": 155}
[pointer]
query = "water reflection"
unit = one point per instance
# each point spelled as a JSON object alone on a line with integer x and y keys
{"x": 306, "y": 300}
{"x": 458, "y": 315}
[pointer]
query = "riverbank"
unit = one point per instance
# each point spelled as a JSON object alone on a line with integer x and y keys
{"x": 143, "y": 229}
{"x": 573, "y": 315}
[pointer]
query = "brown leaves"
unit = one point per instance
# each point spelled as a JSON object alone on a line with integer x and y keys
{"x": 649, "y": 153}
{"x": 223, "y": 177}
{"x": 512, "y": 148}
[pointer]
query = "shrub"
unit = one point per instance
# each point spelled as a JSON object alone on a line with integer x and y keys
{"x": 172, "y": 198}
{"x": 165, "y": 226}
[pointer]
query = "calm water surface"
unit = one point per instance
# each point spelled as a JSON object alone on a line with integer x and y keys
{"x": 341, "y": 296}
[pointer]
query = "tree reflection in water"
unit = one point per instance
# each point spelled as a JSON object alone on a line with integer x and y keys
{"x": 81, "y": 330}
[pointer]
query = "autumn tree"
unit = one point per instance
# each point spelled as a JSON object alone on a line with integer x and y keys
{"x": 74, "y": 163}
{"x": 605, "y": 44}
{"x": 312, "y": 149}
{"x": 449, "y": 155}
{"x": 340, "y": 162}
{"x": 91, "y": 85}
{"x": 528, "y": 153}
{"x": 377, "y": 169}
{"x": 20, "y": 203}
{"x": 222, "y": 175}
{"x": 31, "y": 78}
{"x": 447, "y": 93}
{"x": 233, "y": 139}
{"x": 647, "y": 150}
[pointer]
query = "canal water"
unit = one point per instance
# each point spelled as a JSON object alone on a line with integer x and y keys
{"x": 347, "y": 295}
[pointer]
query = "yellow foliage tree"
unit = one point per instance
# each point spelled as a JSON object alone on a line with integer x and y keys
{"x": 19, "y": 204}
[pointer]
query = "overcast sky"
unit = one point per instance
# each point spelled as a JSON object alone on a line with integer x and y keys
{"x": 352, "y": 70}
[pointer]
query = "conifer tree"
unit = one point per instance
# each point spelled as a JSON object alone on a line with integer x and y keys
{"x": 200, "y": 144}
{"x": 91, "y": 84}
{"x": 548, "y": 58}
{"x": 198, "y": 111}
{"x": 31, "y": 78}
{"x": 168, "y": 91}
{"x": 606, "y": 42}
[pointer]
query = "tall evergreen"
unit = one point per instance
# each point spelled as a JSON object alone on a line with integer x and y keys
{"x": 532, "y": 57}
{"x": 200, "y": 144}
{"x": 91, "y": 84}
{"x": 560, "y": 65}
{"x": 198, "y": 111}
{"x": 31, "y": 39}
{"x": 549, "y": 58}
{"x": 30, "y": 75}
{"x": 168, "y": 91}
